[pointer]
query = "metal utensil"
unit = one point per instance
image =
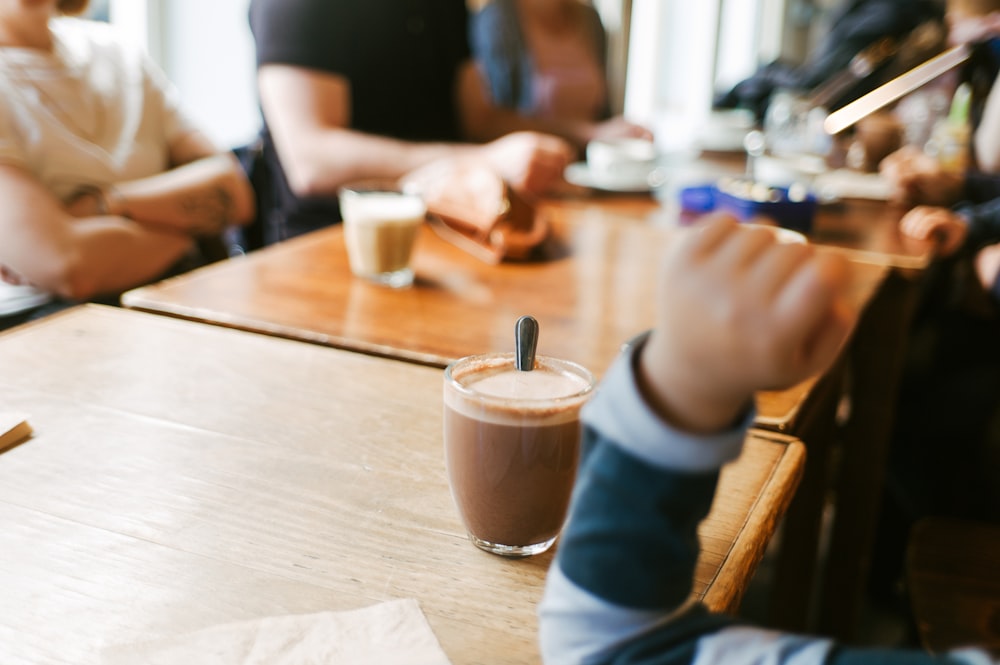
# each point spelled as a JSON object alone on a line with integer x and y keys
{"x": 903, "y": 84}
{"x": 525, "y": 341}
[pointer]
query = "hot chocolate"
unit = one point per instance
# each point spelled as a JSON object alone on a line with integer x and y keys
{"x": 512, "y": 448}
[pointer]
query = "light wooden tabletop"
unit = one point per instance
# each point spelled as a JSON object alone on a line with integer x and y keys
{"x": 594, "y": 291}
{"x": 184, "y": 475}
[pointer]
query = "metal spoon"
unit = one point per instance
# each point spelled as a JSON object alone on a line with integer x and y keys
{"x": 525, "y": 341}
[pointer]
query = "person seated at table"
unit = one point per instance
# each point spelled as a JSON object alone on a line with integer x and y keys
{"x": 105, "y": 184}
{"x": 375, "y": 89}
{"x": 736, "y": 312}
{"x": 545, "y": 58}
{"x": 916, "y": 177}
{"x": 967, "y": 226}
{"x": 854, "y": 27}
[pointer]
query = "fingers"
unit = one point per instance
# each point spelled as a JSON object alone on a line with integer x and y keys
{"x": 531, "y": 162}
{"x": 918, "y": 223}
{"x": 812, "y": 297}
{"x": 774, "y": 271}
{"x": 741, "y": 251}
{"x": 707, "y": 235}
{"x": 937, "y": 224}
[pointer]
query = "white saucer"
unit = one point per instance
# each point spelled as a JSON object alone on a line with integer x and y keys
{"x": 16, "y": 298}
{"x": 580, "y": 174}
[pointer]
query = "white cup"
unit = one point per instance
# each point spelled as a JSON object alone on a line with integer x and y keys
{"x": 622, "y": 159}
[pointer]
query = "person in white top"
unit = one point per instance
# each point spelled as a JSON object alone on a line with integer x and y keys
{"x": 105, "y": 183}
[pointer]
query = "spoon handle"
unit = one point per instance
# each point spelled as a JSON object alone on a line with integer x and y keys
{"x": 525, "y": 341}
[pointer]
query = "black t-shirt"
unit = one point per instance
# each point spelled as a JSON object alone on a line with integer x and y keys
{"x": 401, "y": 58}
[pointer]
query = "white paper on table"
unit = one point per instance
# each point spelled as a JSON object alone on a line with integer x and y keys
{"x": 15, "y": 298}
{"x": 384, "y": 634}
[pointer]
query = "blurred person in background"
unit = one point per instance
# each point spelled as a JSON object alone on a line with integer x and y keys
{"x": 945, "y": 452}
{"x": 377, "y": 89}
{"x": 548, "y": 59}
{"x": 106, "y": 185}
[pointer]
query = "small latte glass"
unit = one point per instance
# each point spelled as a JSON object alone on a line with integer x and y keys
{"x": 512, "y": 446}
{"x": 381, "y": 222}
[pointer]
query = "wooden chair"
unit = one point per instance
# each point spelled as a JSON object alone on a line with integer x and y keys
{"x": 953, "y": 573}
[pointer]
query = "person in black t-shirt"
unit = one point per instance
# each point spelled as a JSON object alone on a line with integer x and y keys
{"x": 353, "y": 90}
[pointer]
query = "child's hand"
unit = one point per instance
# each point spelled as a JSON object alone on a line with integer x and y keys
{"x": 738, "y": 312}
{"x": 948, "y": 229}
{"x": 988, "y": 266}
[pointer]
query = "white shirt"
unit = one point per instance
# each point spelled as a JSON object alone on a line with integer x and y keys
{"x": 94, "y": 111}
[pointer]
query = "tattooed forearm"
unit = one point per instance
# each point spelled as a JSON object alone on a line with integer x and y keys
{"x": 208, "y": 212}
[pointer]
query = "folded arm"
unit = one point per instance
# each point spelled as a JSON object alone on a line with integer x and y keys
{"x": 203, "y": 192}
{"x": 77, "y": 258}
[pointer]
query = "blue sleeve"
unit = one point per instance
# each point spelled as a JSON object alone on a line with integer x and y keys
{"x": 984, "y": 223}
{"x": 619, "y": 588}
{"x": 981, "y": 187}
{"x": 495, "y": 49}
{"x": 499, "y": 47}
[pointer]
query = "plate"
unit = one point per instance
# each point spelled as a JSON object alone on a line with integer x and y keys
{"x": 580, "y": 174}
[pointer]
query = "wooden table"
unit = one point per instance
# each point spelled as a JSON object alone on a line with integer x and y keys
{"x": 184, "y": 475}
{"x": 594, "y": 291}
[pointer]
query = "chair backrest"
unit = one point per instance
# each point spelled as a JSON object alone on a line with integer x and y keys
{"x": 953, "y": 575}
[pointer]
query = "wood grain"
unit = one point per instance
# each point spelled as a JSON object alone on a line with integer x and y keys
{"x": 184, "y": 475}
{"x": 594, "y": 291}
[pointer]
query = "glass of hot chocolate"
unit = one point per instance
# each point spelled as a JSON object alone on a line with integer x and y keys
{"x": 511, "y": 442}
{"x": 381, "y": 222}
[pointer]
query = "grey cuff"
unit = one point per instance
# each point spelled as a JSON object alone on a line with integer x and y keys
{"x": 619, "y": 412}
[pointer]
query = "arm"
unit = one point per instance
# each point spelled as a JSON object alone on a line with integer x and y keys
{"x": 206, "y": 191}
{"x": 308, "y": 115}
{"x": 735, "y": 313}
{"x": 77, "y": 258}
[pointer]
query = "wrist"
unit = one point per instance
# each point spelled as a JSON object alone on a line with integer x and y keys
{"x": 113, "y": 201}
{"x": 684, "y": 397}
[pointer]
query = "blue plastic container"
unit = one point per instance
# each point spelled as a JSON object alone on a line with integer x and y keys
{"x": 747, "y": 202}
{"x": 796, "y": 214}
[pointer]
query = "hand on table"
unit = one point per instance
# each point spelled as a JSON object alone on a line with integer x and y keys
{"x": 946, "y": 228}
{"x": 531, "y": 162}
{"x": 738, "y": 312}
